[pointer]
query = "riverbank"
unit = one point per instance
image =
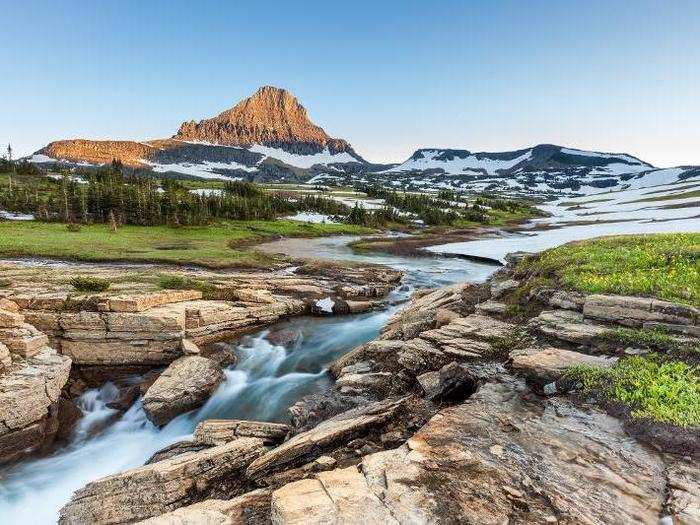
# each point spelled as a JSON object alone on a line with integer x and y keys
{"x": 273, "y": 368}
{"x": 451, "y": 387}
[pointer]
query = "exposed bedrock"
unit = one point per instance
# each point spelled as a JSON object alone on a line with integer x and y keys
{"x": 459, "y": 413}
{"x": 32, "y": 376}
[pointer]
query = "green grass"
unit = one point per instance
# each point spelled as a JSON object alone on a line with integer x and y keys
{"x": 656, "y": 339}
{"x": 218, "y": 246}
{"x": 666, "y": 266}
{"x": 665, "y": 391}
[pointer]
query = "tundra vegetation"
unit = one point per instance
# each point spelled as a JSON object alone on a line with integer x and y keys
{"x": 666, "y": 266}
{"x": 662, "y": 383}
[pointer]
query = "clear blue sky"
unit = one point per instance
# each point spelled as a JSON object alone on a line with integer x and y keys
{"x": 389, "y": 76}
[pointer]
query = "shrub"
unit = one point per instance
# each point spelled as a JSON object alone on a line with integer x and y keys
{"x": 179, "y": 282}
{"x": 73, "y": 227}
{"x": 176, "y": 282}
{"x": 89, "y": 284}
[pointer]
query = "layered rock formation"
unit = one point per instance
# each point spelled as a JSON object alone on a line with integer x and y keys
{"x": 457, "y": 414}
{"x": 158, "y": 488}
{"x": 32, "y": 376}
{"x": 271, "y": 117}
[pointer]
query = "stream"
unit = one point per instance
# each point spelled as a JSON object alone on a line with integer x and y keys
{"x": 267, "y": 379}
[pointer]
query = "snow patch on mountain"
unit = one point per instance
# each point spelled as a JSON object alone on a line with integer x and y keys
{"x": 205, "y": 169}
{"x": 428, "y": 159}
{"x": 302, "y": 161}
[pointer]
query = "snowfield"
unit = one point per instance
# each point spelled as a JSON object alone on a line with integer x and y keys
{"x": 673, "y": 209}
{"x": 315, "y": 218}
{"x": 204, "y": 170}
{"x": 302, "y": 161}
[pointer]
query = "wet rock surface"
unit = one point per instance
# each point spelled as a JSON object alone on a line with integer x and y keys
{"x": 30, "y": 388}
{"x": 186, "y": 384}
{"x": 501, "y": 456}
{"x": 160, "y": 487}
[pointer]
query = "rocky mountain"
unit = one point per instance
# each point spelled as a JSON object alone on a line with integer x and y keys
{"x": 271, "y": 117}
{"x": 267, "y": 136}
{"x": 543, "y": 170}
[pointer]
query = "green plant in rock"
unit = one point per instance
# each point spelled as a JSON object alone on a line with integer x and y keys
{"x": 652, "y": 388}
{"x": 89, "y": 284}
{"x": 176, "y": 282}
{"x": 651, "y": 338}
{"x": 503, "y": 345}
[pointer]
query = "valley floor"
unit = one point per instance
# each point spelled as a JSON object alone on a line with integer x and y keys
{"x": 217, "y": 246}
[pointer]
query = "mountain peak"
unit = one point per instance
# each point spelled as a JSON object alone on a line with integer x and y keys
{"x": 271, "y": 117}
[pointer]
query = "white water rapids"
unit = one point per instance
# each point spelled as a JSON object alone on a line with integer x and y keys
{"x": 264, "y": 383}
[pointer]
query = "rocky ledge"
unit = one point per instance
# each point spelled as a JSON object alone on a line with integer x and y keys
{"x": 55, "y": 341}
{"x": 32, "y": 376}
{"x": 463, "y": 411}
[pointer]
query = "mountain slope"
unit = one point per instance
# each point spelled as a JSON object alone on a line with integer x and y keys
{"x": 268, "y": 134}
{"x": 543, "y": 157}
{"x": 543, "y": 170}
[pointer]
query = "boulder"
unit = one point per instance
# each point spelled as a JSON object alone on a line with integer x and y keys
{"x": 23, "y": 339}
{"x": 421, "y": 312}
{"x": 543, "y": 367}
{"x": 635, "y": 311}
{"x": 568, "y": 326}
{"x": 358, "y": 307}
{"x": 185, "y": 385}
{"x": 248, "y": 509}
{"x": 219, "y": 431}
{"x": 491, "y": 308}
{"x": 337, "y": 496}
{"x": 164, "y": 486}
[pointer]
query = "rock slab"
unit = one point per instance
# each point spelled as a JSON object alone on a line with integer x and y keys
{"x": 185, "y": 385}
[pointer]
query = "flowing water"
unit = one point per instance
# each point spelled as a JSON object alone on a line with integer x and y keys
{"x": 267, "y": 379}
